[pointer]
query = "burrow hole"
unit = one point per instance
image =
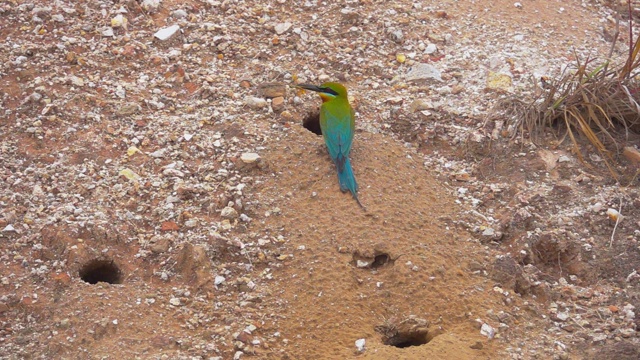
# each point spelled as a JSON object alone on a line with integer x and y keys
{"x": 412, "y": 331}
{"x": 96, "y": 271}
{"x": 379, "y": 260}
{"x": 311, "y": 122}
{"x": 409, "y": 338}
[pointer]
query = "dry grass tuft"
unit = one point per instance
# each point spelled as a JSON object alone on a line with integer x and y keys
{"x": 596, "y": 102}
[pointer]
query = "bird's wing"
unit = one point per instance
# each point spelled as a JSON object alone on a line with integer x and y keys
{"x": 337, "y": 130}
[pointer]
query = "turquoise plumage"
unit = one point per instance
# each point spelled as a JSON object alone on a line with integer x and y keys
{"x": 337, "y": 122}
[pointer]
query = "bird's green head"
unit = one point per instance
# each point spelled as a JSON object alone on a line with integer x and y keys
{"x": 327, "y": 91}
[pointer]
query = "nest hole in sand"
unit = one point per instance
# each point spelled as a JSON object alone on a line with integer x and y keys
{"x": 96, "y": 271}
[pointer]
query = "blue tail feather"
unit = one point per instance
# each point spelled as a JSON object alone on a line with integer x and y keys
{"x": 346, "y": 178}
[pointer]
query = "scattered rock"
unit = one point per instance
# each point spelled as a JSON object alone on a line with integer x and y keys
{"x": 564, "y": 158}
{"x": 161, "y": 245}
{"x": 282, "y": 28}
{"x": 119, "y": 21}
{"x": 487, "y": 331}
{"x": 419, "y": 105}
{"x": 41, "y": 11}
{"x": 194, "y": 264}
{"x": 549, "y": 158}
{"x": 255, "y": 102}
{"x": 491, "y": 234}
{"x": 229, "y": 213}
{"x": 166, "y": 33}
{"x": 179, "y": 14}
{"x": 158, "y": 153}
{"x": 430, "y": 49}
{"x": 249, "y": 158}
{"x": 499, "y": 81}
{"x": 77, "y": 81}
{"x": 151, "y": 6}
{"x": 277, "y": 104}
{"x": 272, "y": 90}
{"x": 614, "y": 215}
{"x": 421, "y": 72}
{"x": 107, "y": 32}
{"x": 175, "y": 301}
{"x": 396, "y": 35}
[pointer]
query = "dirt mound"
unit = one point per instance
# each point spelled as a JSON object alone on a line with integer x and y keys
{"x": 350, "y": 270}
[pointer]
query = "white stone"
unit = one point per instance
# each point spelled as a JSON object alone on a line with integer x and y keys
{"x": 488, "y": 232}
{"x": 158, "y": 153}
{"x": 77, "y": 81}
{"x": 487, "y": 331}
{"x": 151, "y": 5}
{"x": 255, "y": 102}
{"x": 249, "y": 158}
{"x": 107, "y": 32}
{"x": 423, "y": 72}
{"x": 282, "y": 28}
{"x": 562, "y": 316}
{"x": 172, "y": 172}
{"x": 166, "y": 33}
{"x": 179, "y": 14}
{"x": 218, "y": 280}
{"x": 430, "y": 49}
{"x": 174, "y": 301}
{"x": 360, "y": 344}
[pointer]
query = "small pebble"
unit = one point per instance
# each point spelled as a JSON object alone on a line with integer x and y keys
{"x": 174, "y": 301}
{"x": 487, "y": 331}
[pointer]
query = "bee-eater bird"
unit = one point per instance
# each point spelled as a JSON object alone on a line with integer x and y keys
{"x": 337, "y": 122}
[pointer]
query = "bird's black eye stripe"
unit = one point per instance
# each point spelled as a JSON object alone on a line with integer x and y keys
{"x": 328, "y": 91}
